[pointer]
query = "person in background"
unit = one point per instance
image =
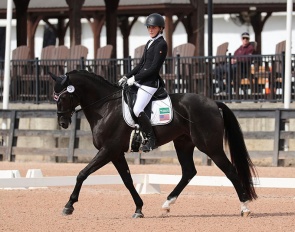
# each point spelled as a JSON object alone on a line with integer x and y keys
{"x": 146, "y": 74}
{"x": 245, "y": 49}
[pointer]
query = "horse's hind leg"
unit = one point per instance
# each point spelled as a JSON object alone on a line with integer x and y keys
{"x": 221, "y": 160}
{"x": 123, "y": 169}
{"x": 184, "y": 149}
{"x": 97, "y": 162}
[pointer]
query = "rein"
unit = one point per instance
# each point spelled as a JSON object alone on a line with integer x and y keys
{"x": 95, "y": 102}
{"x": 56, "y": 97}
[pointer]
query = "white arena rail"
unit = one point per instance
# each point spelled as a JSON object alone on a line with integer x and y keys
{"x": 145, "y": 183}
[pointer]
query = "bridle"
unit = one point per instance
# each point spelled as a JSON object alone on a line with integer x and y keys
{"x": 56, "y": 97}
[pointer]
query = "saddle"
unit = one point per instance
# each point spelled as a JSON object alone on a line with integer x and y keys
{"x": 130, "y": 94}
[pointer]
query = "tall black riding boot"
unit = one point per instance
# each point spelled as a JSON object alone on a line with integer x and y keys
{"x": 147, "y": 129}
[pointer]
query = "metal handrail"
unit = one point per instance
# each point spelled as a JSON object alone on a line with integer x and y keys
{"x": 260, "y": 79}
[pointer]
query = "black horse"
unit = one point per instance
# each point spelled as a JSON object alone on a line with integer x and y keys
{"x": 198, "y": 122}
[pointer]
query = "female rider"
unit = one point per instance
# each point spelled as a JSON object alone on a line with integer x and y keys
{"x": 146, "y": 73}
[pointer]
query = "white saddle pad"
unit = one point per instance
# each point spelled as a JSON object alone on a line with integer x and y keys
{"x": 162, "y": 112}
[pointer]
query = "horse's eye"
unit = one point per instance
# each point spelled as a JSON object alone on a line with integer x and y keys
{"x": 64, "y": 96}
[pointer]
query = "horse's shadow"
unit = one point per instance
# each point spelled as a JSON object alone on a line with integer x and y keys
{"x": 253, "y": 215}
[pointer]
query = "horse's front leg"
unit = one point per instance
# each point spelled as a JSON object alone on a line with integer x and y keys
{"x": 123, "y": 169}
{"x": 96, "y": 163}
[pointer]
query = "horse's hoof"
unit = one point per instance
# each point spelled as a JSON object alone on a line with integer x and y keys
{"x": 137, "y": 215}
{"x": 245, "y": 213}
{"x": 67, "y": 211}
{"x": 166, "y": 205}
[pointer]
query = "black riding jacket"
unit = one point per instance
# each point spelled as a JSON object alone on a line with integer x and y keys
{"x": 147, "y": 71}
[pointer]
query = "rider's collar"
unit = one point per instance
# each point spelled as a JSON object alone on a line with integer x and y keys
{"x": 156, "y": 37}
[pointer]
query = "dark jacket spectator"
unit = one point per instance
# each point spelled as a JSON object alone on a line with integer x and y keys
{"x": 238, "y": 59}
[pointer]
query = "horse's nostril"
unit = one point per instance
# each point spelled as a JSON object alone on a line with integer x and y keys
{"x": 64, "y": 125}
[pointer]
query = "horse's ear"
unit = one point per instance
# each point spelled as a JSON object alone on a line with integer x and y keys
{"x": 65, "y": 79}
{"x": 54, "y": 77}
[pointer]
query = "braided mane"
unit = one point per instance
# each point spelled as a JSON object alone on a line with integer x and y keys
{"x": 97, "y": 78}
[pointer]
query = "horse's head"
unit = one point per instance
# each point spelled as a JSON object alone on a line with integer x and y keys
{"x": 66, "y": 99}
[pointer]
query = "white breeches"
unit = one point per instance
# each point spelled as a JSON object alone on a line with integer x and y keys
{"x": 144, "y": 95}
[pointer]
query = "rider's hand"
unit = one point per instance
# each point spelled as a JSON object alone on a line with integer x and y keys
{"x": 122, "y": 81}
{"x": 131, "y": 81}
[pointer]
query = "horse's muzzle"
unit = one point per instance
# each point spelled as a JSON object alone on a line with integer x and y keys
{"x": 64, "y": 122}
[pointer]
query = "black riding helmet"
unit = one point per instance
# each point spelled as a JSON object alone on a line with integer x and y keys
{"x": 155, "y": 20}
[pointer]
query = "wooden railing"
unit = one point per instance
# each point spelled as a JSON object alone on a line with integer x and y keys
{"x": 72, "y": 151}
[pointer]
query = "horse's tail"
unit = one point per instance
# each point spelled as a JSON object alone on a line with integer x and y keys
{"x": 239, "y": 155}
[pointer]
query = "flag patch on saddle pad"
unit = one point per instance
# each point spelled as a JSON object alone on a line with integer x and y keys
{"x": 164, "y": 114}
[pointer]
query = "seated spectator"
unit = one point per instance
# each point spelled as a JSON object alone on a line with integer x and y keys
{"x": 245, "y": 49}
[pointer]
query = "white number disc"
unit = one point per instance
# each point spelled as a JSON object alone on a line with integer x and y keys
{"x": 70, "y": 89}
